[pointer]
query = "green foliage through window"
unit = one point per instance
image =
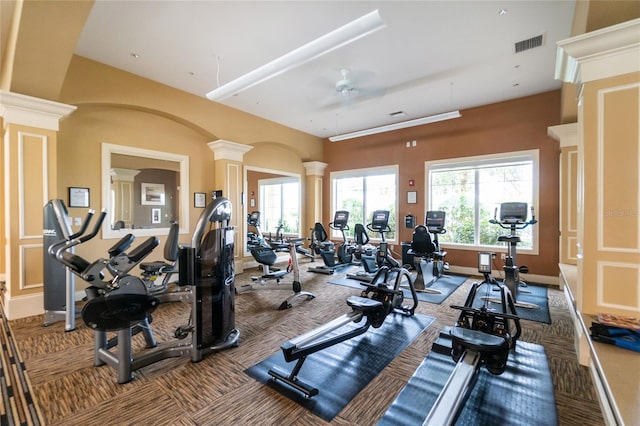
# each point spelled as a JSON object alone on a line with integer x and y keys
{"x": 471, "y": 191}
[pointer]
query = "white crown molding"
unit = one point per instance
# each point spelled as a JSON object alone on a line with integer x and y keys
{"x": 315, "y": 168}
{"x": 604, "y": 53}
{"x": 227, "y": 150}
{"x": 29, "y": 111}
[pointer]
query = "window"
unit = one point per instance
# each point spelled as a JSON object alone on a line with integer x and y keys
{"x": 471, "y": 189}
{"x": 361, "y": 192}
{"x": 280, "y": 201}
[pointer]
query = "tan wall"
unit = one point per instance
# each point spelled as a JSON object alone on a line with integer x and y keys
{"x": 515, "y": 125}
{"x": 610, "y": 265}
{"x": 119, "y": 108}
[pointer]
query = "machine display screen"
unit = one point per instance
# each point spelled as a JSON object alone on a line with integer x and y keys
{"x": 484, "y": 262}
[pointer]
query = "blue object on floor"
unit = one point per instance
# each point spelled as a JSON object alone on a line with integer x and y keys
{"x": 341, "y": 371}
{"x": 522, "y": 396}
{"x": 446, "y": 284}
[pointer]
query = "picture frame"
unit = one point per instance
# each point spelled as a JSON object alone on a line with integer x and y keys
{"x": 412, "y": 197}
{"x": 152, "y": 194}
{"x": 78, "y": 196}
{"x": 199, "y": 199}
{"x": 156, "y": 216}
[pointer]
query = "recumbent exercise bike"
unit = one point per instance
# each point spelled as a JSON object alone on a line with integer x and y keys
{"x": 428, "y": 259}
{"x": 327, "y": 249}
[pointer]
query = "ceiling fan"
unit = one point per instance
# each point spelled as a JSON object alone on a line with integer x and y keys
{"x": 349, "y": 91}
{"x": 345, "y": 86}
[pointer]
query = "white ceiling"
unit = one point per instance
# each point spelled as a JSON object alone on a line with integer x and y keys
{"x": 432, "y": 56}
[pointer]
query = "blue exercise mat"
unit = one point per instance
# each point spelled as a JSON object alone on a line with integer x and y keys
{"x": 521, "y": 396}
{"x": 341, "y": 371}
{"x": 446, "y": 285}
{"x": 533, "y": 294}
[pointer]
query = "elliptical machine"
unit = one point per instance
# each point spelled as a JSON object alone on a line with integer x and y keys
{"x": 123, "y": 305}
{"x": 513, "y": 216}
{"x": 480, "y": 337}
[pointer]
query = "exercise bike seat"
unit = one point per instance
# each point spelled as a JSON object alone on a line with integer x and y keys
{"x": 509, "y": 238}
{"x": 479, "y": 341}
{"x": 363, "y": 304}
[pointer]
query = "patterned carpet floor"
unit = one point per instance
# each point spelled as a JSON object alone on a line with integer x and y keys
{"x": 60, "y": 385}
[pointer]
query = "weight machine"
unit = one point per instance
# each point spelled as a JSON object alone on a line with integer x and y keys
{"x": 121, "y": 304}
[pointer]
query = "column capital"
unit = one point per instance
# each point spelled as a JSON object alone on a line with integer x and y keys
{"x": 227, "y": 150}
{"x": 566, "y": 134}
{"x": 599, "y": 54}
{"x": 24, "y": 110}
{"x": 315, "y": 168}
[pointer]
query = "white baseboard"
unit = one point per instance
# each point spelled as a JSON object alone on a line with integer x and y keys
{"x": 23, "y": 306}
{"x": 28, "y": 306}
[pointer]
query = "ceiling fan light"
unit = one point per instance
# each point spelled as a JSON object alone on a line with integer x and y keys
{"x": 395, "y": 126}
{"x": 335, "y": 39}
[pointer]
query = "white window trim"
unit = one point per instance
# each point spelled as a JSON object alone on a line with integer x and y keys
{"x": 281, "y": 181}
{"x": 475, "y": 161}
{"x": 368, "y": 171}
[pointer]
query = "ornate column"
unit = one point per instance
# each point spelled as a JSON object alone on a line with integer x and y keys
{"x": 313, "y": 191}
{"x": 228, "y": 158}
{"x": 605, "y": 66}
{"x": 567, "y": 136}
{"x": 30, "y": 127}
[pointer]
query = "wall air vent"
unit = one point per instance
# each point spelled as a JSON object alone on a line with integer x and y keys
{"x": 530, "y": 43}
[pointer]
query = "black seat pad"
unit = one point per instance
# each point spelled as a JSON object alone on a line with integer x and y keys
{"x": 363, "y": 304}
{"x": 157, "y": 266}
{"x": 479, "y": 341}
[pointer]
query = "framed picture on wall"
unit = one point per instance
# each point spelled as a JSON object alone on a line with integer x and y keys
{"x": 152, "y": 194}
{"x": 78, "y": 197}
{"x": 199, "y": 199}
{"x": 155, "y": 216}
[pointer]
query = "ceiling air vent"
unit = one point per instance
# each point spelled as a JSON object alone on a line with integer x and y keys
{"x": 530, "y": 43}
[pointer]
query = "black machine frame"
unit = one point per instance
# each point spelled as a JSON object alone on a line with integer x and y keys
{"x": 122, "y": 305}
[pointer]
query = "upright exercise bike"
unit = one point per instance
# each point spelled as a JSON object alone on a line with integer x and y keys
{"x": 513, "y": 216}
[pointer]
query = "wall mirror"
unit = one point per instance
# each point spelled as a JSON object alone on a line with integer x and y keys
{"x": 144, "y": 191}
{"x": 276, "y": 195}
